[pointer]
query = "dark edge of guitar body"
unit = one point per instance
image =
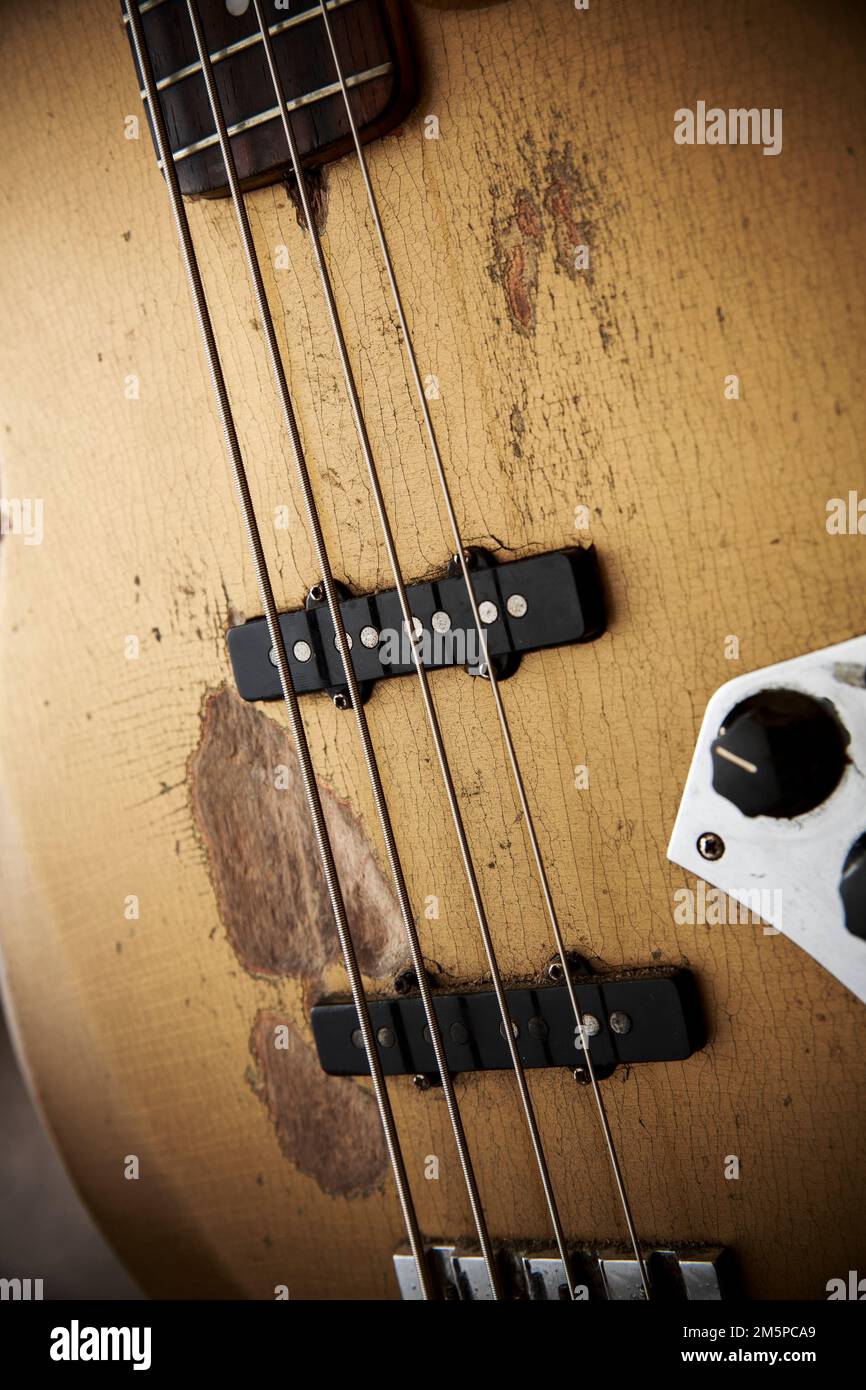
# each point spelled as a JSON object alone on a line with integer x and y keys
{"x": 380, "y": 106}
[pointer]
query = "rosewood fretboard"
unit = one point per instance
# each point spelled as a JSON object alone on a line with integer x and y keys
{"x": 371, "y": 40}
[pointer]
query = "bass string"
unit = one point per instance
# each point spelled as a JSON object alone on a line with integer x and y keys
{"x": 308, "y": 776}
{"x": 460, "y": 553}
{"x": 508, "y": 1029}
{"x": 370, "y": 759}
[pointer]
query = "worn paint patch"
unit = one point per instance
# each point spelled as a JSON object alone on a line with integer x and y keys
{"x": 251, "y": 811}
{"x": 577, "y": 203}
{"x": 316, "y": 180}
{"x": 518, "y": 430}
{"x": 558, "y": 217}
{"x": 517, "y": 240}
{"x": 327, "y": 1126}
{"x": 570, "y": 200}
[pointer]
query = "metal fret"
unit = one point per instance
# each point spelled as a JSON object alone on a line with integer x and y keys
{"x": 308, "y": 99}
{"x": 144, "y": 8}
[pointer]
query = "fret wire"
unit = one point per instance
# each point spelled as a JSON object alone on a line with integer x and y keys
{"x": 146, "y": 6}
{"x": 143, "y": 8}
{"x": 357, "y": 79}
{"x": 508, "y": 741}
{"x": 315, "y": 528}
{"x": 218, "y": 55}
{"x": 507, "y": 1024}
{"x": 308, "y": 775}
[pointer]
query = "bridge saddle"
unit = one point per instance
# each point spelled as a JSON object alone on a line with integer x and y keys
{"x": 693, "y": 1275}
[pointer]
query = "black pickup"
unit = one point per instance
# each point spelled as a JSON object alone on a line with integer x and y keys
{"x": 643, "y": 1015}
{"x": 543, "y": 601}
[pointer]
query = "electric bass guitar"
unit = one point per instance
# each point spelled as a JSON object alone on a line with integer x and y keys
{"x": 434, "y": 684}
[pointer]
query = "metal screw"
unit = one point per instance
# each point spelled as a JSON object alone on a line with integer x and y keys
{"x": 348, "y": 639}
{"x": 317, "y": 593}
{"x": 440, "y": 621}
{"x": 417, "y": 627}
{"x": 342, "y": 702}
{"x": 591, "y": 1027}
{"x": 620, "y": 1022}
{"x": 517, "y": 606}
{"x": 405, "y": 982}
{"x": 537, "y": 1028}
{"x": 711, "y": 845}
{"x": 576, "y": 963}
{"x": 358, "y": 1039}
{"x": 459, "y": 1033}
{"x": 488, "y": 612}
{"x": 515, "y": 1029}
{"x": 302, "y": 651}
{"x": 385, "y": 1037}
{"x": 421, "y": 1082}
{"x": 581, "y": 1076}
{"x": 369, "y": 637}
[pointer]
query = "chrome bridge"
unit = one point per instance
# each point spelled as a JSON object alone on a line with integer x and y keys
{"x": 691, "y": 1276}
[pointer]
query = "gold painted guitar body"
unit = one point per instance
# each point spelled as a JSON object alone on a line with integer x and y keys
{"x": 165, "y": 929}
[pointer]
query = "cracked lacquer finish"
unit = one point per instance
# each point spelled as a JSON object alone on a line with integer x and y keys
{"x": 559, "y": 388}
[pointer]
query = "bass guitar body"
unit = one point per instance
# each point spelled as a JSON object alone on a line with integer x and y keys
{"x": 632, "y": 345}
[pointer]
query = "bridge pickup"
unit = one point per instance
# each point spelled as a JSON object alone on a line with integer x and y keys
{"x": 691, "y": 1276}
{"x": 642, "y": 1016}
{"x": 543, "y": 601}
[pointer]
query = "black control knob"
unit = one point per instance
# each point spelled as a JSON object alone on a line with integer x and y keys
{"x": 853, "y": 888}
{"x": 779, "y": 753}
